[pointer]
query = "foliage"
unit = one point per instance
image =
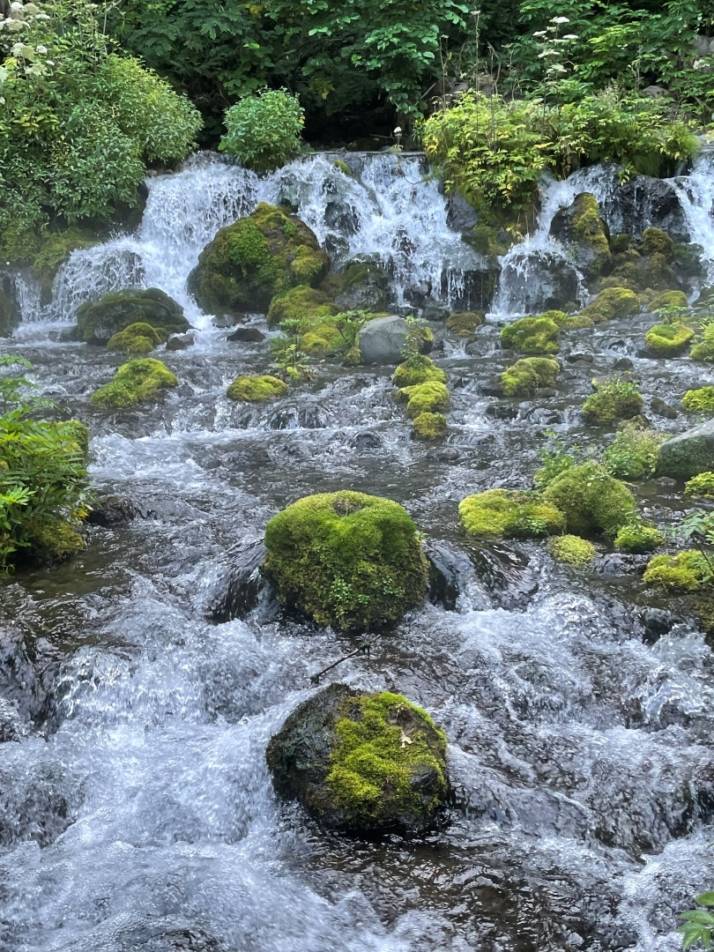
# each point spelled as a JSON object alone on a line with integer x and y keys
{"x": 699, "y": 400}
{"x": 701, "y": 485}
{"x": 555, "y": 459}
{"x": 704, "y": 350}
{"x": 638, "y": 537}
{"x": 633, "y": 453}
{"x": 688, "y": 571}
{"x": 698, "y": 924}
{"x": 263, "y": 131}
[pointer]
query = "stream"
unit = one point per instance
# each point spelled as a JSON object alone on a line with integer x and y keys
{"x": 136, "y": 809}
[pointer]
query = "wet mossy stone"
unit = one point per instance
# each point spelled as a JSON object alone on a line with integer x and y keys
{"x": 429, "y": 397}
{"x": 610, "y": 304}
{"x": 657, "y": 242}
{"x": 510, "y": 514}
{"x": 135, "y": 382}
{"x": 528, "y": 375}
{"x": 256, "y": 388}
{"x": 704, "y": 350}
{"x": 362, "y": 285}
{"x": 54, "y": 250}
{"x": 668, "y": 340}
{"x": 98, "y": 321}
{"x": 701, "y": 486}
{"x": 664, "y": 300}
{"x": 367, "y": 764}
{"x": 585, "y": 233}
{"x": 9, "y": 308}
{"x": 465, "y": 323}
{"x": 593, "y": 502}
{"x": 417, "y": 369}
{"x": 346, "y": 559}
{"x": 638, "y": 537}
{"x": 688, "y": 453}
{"x": 301, "y": 303}
{"x": 252, "y": 260}
{"x": 687, "y": 571}
{"x": 532, "y": 335}
{"x": 613, "y": 400}
{"x": 136, "y": 339}
{"x": 700, "y": 400}
{"x": 572, "y": 550}
{"x": 429, "y": 426}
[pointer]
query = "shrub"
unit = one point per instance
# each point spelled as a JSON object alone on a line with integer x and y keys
{"x": 572, "y": 550}
{"x": 134, "y": 382}
{"x": 700, "y": 400}
{"x": 528, "y": 375}
{"x": 593, "y": 502}
{"x": 638, "y": 537}
{"x": 510, "y": 514}
{"x": 701, "y": 485}
{"x": 612, "y": 401}
{"x": 263, "y": 131}
{"x": 633, "y": 453}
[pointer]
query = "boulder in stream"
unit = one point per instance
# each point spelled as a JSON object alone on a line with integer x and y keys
{"x": 689, "y": 453}
{"x": 98, "y": 321}
{"x": 584, "y": 232}
{"x": 363, "y": 763}
{"x": 362, "y": 285}
{"x": 135, "y": 382}
{"x": 384, "y": 340}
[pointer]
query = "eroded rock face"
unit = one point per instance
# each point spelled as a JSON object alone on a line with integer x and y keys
{"x": 363, "y": 763}
{"x": 689, "y": 453}
{"x": 98, "y": 321}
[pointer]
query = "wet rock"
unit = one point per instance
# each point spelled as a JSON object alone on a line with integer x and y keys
{"x": 543, "y": 416}
{"x": 435, "y": 312}
{"x": 366, "y": 442}
{"x": 248, "y": 335}
{"x": 472, "y": 287}
{"x": 584, "y": 233}
{"x": 578, "y": 357}
{"x": 237, "y": 592}
{"x": 9, "y": 308}
{"x": 98, "y": 321}
{"x": 384, "y": 340}
{"x": 540, "y": 281}
{"x": 663, "y": 409}
{"x": 448, "y": 569}
{"x": 111, "y": 511}
{"x": 618, "y": 563}
{"x": 656, "y": 622}
{"x": 362, "y": 285}
{"x": 309, "y": 416}
{"x": 27, "y": 677}
{"x": 644, "y": 202}
{"x": 502, "y": 411}
{"x": 181, "y": 341}
{"x": 506, "y": 574}
{"x": 324, "y": 769}
{"x": 460, "y": 214}
{"x": 689, "y": 453}
{"x": 33, "y": 805}
{"x": 623, "y": 363}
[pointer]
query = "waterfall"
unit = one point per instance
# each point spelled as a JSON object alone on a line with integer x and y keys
{"x": 696, "y": 198}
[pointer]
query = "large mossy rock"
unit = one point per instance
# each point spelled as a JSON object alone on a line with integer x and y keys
{"x": 584, "y": 232}
{"x": 593, "y": 502}
{"x": 368, "y": 764}
{"x": 346, "y": 559}
{"x": 689, "y": 453}
{"x": 9, "y": 308}
{"x": 252, "y": 260}
{"x": 510, "y": 514}
{"x": 135, "y": 382}
{"x": 98, "y": 321}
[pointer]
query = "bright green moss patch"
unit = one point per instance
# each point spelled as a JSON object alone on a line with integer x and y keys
{"x": 701, "y": 486}
{"x": 429, "y": 426}
{"x": 638, "y": 537}
{"x": 416, "y": 370}
{"x": 429, "y": 397}
{"x": 464, "y": 323}
{"x": 346, "y": 559}
{"x": 509, "y": 514}
{"x": 532, "y": 335}
{"x": 528, "y": 375}
{"x": 572, "y": 550}
{"x": 593, "y": 502}
{"x": 98, "y": 321}
{"x": 610, "y": 304}
{"x": 612, "y": 401}
{"x": 687, "y": 571}
{"x": 376, "y": 763}
{"x": 136, "y": 339}
{"x": 699, "y": 401}
{"x": 256, "y": 388}
{"x": 664, "y": 300}
{"x": 668, "y": 340}
{"x": 704, "y": 350}
{"x": 657, "y": 242}
{"x": 301, "y": 303}
{"x": 633, "y": 454}
{"x": 134, "y": 382}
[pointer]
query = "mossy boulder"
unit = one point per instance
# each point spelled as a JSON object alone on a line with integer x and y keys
{"x": 346, "y": 559}
{"x": 584, "y": 232}
{"x": 668, "y": 340}
{"x": 362, "y": 285}
{"x": 701, "y": 486}
{"x": 685, "y": 572}
{"x": 664, "y": 300}
{"x": 136, "y": 339}
{"x": 135, "y": 382}
{"x": 528, "y": 375}
{"x": 52, "y": 540}
{"x": 611, "y": 303}
{"x": 704, "y": 350}
{"x": 613, "y": 400}
{"x": 429, "y": 397}
{"x": 98, "y": 321}
{"x": 251, "y": 261}
{"x": 256, "y": 388}
{"x": 593, "y": 502}
{"x": 532, "y": 335}
{"x": 301, "y": 303}
{"x": 9, "y": 308}
{"x": 429, "y": 426}
{"x": 54, "y": 249}
{"x": 688, "y": 453}
{"x": 655, "y": 241}
{"x": 700, "y": 400}
{"x": 367, "y": 764}
{"x": 572, "y": 550}
{"x": 417, "y": 369}
{"x": 510, "y": 514}
{"x": 638, "y": 537}
{"x": 465, "y": 323}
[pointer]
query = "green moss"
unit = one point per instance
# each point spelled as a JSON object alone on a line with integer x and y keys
{"x": 417, "y": 369}
{"x": 375, "y": 767}
{"x": 465, "y": 323}
{"x": 429, "y": 426}
{"x": 633, "y": 453}
{"x": 704, "y": 350}
{"x": 668, "y": 340}
{"x": 343, "y": 167}
{"x": 657, "y": 242}
{"x": 53, "y": 540}
{"x": 429, "y": 397}
{"x": 250, "y": 262}
{"x": 347, "y": 559}
{"x": 256, "y": 388}
{"x": 612, "y": 401}
{"x": 593, "y": 502}
{"x": 665, "y": 300}
{"x": 687, "y": 571}
{"x": 136, "y": 339}
{"x": 611, "y": 303}
{"x": 701, "y": 486}
{"x": 134, "y": 382}
{"x": 54, "y": 249}
{"x": 301, "y": 303}
{"x": 699, "y": 401}
{"x": 532, "y": 335}
{"x": 572, "y": 550}
{"x": 590, "y": 231}
{"x": 638, "y": 537}
{"x": 508, "y": 513}
{"x": 98, "y": 321}
{"x": 528, "y": 375}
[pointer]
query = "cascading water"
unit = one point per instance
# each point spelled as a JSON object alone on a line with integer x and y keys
{"x": 696, "y": 198}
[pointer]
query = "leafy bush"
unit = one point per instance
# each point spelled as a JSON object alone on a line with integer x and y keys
{"x": 263, "y": 131}
{"x": 633, "y": 453}
{"x": 698, "y": 925}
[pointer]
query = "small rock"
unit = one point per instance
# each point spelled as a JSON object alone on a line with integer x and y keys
{"x": 237, "y": 592}
{"x": 623, "y": 363}
{"x": 111, "y": 511}
{"x": 181, "y": 341}
{"x": 658, "y": 406}
{"x": 248, "y": 335}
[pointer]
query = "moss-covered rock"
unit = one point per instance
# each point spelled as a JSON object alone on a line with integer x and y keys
{"x": 429, "y": 397}
{"x": 704, "y": 350}
{"x": 701, "y": 486}
{"x": 668, "y": 340}
{"x": 248, "y": 263}
{"x": 532, "y": 335}
{"x": 137, "y": 339}
{"x": 98, "y": 321}
{"x": 363, "y": 763}
{"x": 687, "y": 571}
{"x": 256, "y": 388}
{"x": 53, "y": 251}
{"x": 53, "y": 540}
{"x": 572, "y": 550}
{"x": 507, "y": 513}
{"x": 634, "y": 452}
{"x": 611, "y": 303}
{"x": 362, "y": 285}
{"x": 688, "y": 453}
{"x": 585, "y": 233}
{"x": 593, "y": 502}
{"x": 9, "y": 308}
{"x": 135, "y": 382}
{"x": 417, "y": 369}
{"x": 655, "y": 241}
{"x": 638, "y": 537}
{"x": 301, "y": 303}
{"x": 664, "y": 300}
{"x": 612, "y": 401}
{"x": 346, "y": 559}
{"x": 465, "y": 323}
{"x": 429, "y": 426}
{"x": 700, "y": 400}
{"x": 528, "y": 375}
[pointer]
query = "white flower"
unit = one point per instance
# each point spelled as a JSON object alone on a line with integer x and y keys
{"x": 571, "y": 36}
{"x": 541, "y": 33}
{"x": 41, "y": 49}
{"x": 398, "y": 131}
{"x": 560, "y": 20}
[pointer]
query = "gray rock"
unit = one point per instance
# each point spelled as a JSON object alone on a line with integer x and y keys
{"x": 585, "y": 234}
{"x": 383, "y": 340}
{"x": 688, "y": 453}
{"x": 362, "y": 285}
{"x": 248, "y": 335}
{"x": 9, "y": 309}
{"x": 460, "y": 215}
{"x": 181, "y": 341}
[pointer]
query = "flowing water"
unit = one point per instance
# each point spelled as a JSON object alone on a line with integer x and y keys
{"x": 136, "y": 810}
